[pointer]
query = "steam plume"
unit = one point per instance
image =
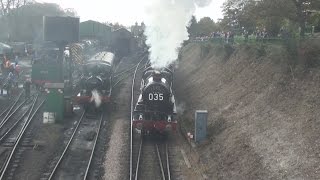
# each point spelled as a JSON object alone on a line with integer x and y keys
{"x": 96, "y": 98}
{"x": 166, "y": 27}
{"x": 181, "y": 107}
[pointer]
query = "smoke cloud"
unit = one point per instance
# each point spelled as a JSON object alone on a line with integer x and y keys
{"x": 181, "y": 107}
{"x": 166, "y": 24}
{"x": 203, "y": 3}
{"x": 96, "y": 98}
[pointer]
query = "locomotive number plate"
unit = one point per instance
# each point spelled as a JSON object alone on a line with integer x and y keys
{"x": 155, "y": 96}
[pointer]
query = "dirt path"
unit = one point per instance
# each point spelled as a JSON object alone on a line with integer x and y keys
{"x": 117, "y": 156}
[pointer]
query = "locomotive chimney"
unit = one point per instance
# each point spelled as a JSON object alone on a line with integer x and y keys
{"x": 157, "y": 76}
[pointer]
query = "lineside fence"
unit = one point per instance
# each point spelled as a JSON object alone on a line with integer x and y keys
{"x": 252, "y": 40}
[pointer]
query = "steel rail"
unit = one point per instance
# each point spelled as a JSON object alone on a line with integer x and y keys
{"x": 66, "y": 148}
{"x": 128, "y": 73}
{"x": 16, "y": 101}
{"x": 14, "y": 125}
{"x": 138, "y": 160}
{"x": 125, "y": 71}
{"x": 4, "y": 111}
{"x": 20, "y": 135}
{"x": 3, "y": 165}
{"x": 125, "y": 77}
{"x": 160, "y": 163}
{"x": 131, "y": 115}
{"x": 168, "y": 163}
{"x": 93, "y": 149}
{"x": 6, "y": 117}
{"x": 4, "y": 121}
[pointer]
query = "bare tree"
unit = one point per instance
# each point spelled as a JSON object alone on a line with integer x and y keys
{"x": 7, "y": 5}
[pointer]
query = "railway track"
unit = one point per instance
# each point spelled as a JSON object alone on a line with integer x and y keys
{"x": 16, "y": 136}
{"x": 76, "y": 160}
{"x": 5, "y": 115}
{"x": 99, "y": 156}
{"x": 128, "y": 72}
{"x": 148, "y": 159}
{"x": 13, "y": 113}
{"x": 163, "y": 150}
{"x": 13, "y": 122}
{"x": 133, "y": 149}
{"x": 7, "y": 111}
{"x": 152, "y": 161}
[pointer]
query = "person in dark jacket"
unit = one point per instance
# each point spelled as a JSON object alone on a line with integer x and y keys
{"x": 27, "y": 87}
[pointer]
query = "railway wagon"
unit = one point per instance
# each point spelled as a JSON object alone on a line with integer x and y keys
{"x": 155, "y": 109}
{"x": 95, "y": 85}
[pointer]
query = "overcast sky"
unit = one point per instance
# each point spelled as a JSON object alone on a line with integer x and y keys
{"x": 126, "y": 12}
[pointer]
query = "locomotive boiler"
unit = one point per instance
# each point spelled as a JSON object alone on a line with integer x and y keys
{"x": 155, "y": 109}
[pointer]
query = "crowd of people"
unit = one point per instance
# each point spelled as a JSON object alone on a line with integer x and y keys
{"x": 225, "y": 36}
{"x": 261, "y": 35}
{"x": 228, "y": 36}
{"x": 9, "y": 73}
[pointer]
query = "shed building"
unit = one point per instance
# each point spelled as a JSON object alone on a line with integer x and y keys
{"x": 95, "y": 30}
{"x": 123, "y": 42}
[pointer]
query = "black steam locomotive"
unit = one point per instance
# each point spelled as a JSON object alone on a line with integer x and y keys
{"x": 96, "y": 81}
{"x": 155, "y": 109}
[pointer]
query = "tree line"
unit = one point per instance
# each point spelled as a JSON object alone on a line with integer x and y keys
{"x": 21, "y": 20}
{"x": 295, "y": 17}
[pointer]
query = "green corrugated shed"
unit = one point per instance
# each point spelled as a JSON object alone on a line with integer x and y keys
{"x": 55, "y": 100}
{"x": 95, "y": 30}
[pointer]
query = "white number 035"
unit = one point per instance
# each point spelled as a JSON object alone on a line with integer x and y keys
{"x": 155, "y": 96}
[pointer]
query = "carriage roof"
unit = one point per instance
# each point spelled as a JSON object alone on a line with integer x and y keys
{"x": 102, "y": 57}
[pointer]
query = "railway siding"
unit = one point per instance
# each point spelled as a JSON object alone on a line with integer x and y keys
{"x": 22, "y": 143}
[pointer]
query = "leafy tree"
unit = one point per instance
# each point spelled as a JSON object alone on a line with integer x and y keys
{"x": 202, "y": 28}
{"x": 238, "y": 14}
{"x": 70, "y": 12}
{"x": 117, "y": 26}
{"x": 206, "y": 26}
{"x": 271, "y": 14}
{"x": 268, "y": 14}
{"x": 302, "y": 7}
{"x": 193, "y": 27}
{"x": 315, "y": 20}
{"x": 25, "y": 23}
